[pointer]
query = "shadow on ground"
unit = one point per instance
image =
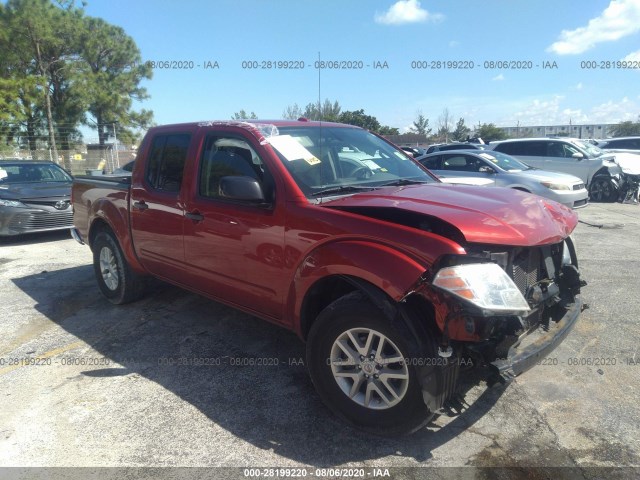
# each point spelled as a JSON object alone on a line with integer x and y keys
{"x": 34, "y": 238}
{"x": 253, "y": 382}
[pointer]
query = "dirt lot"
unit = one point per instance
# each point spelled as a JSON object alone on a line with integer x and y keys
{"x": 114, "y": 386}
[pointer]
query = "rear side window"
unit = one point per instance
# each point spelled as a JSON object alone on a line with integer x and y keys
{"x": 167, "y": 160}
{"x": 626, "y": 143}
{"x": 533, "y": 149}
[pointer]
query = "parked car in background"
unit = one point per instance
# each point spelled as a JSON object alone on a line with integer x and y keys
{"x": 628, "y": 144}
{"x": 502, "y": 170}
{"x": 442, "y": 147}
{"x": 414, "y": 152}
{"x": 608, "y": 176}
{"x": 34, "y": 197}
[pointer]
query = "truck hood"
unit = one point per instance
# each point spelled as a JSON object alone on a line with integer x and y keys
{"x": 482, "y": 215}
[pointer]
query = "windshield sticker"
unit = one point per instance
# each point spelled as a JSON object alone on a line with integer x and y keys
{"x": 486, "y": 156}
{"x": 3, "y": 173}
{"x": 401, "y": 156}
{"x": 290, "y": 149}
{"x": 371, "y": 164}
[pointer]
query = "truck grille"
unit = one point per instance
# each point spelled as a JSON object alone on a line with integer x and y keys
{"x": 40, "y": 221}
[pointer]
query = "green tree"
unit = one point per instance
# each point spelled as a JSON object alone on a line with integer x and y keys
{"x": 625, "y": 129}
{"x": 243, "y": 115}
{"x": 38, "y": 35}
{"x": 461, "y": 131}
{"x": 385, "y": 130}
{"x": 444, "y": 125}
{"x": 292, "y": 112}
{"x": 361, "y": 119}
{"x": 327, "y": 111}
{"x": 420, "y": 125}
{"x": 114, "y": 71}
{"x": 489, "y": 132}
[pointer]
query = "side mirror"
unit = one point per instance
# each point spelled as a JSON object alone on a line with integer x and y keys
{"x": 578, "y": 156}
{"x": 486, "y": 169}
{"x": 241, "y": 188}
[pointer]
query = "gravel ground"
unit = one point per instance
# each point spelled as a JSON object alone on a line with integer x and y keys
{"x": 106, "y": 395}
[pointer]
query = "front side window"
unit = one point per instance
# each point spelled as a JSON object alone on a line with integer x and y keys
{"x": 322, "y": 159}
{"x": 226, "y": 156}
{"x": 561, "y": 150}
{"x": 166, "y": 161}
{"x": 461, "y": 163}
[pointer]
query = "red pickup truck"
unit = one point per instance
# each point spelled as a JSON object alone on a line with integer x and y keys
{"x": 392, "y": 278}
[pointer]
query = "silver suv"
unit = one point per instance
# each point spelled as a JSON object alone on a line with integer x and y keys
{"x": 597, "y": 169}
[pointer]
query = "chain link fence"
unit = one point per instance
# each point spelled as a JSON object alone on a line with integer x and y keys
{"x": 89, "y": 159}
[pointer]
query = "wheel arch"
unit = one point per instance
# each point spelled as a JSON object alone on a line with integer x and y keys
{"x": 383, "y": 273}
{"x": 102, "y": 220}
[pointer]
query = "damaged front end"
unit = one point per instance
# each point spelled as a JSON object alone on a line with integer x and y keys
{"x": 506, "y": 308}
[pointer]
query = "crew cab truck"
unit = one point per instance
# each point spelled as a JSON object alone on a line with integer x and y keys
{"x": 391, "y": 277}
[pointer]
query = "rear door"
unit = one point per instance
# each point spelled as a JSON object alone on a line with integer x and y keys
{"x": 234, "y": 249}
{"x": 157, "y": 208}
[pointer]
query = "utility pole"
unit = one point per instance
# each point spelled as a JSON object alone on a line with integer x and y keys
{"x": 115, "y": 144}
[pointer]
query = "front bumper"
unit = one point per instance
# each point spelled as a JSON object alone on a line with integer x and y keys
{"x": 521, "y": 358}
{"x": 19, "y": 220}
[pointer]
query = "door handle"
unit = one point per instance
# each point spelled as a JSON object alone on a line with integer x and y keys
{"x": 141, "y": 205}
{"x": 195, "y": 216}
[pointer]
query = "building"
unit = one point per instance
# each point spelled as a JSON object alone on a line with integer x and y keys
{"x": 576, "y": 131}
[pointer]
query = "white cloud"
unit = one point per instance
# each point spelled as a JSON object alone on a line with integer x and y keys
{"x": 498, "y": 78}
{"x": 553, "y": 111}
{"x": 633, "y": 57}
{"x": 454, "y": 43}
{"x": 407, "y": 11}
{"x": 619, "y": 19}
{"x": 579, "y": 86}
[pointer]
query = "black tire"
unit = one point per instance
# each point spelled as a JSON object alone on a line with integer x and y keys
{"x": 119, "y": 283}
{"x": 603, "y": 189}
{"x": 355, "y": 311}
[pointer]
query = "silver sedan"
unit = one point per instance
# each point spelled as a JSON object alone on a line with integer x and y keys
{"x": 506, "y": 171}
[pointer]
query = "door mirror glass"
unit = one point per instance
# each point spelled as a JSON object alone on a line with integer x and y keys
{"x": 241, "y": 188}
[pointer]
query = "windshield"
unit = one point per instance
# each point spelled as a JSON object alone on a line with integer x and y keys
{"x": 32, "y": 173}
{"x": 591, "y": 149}
{"x": 321, "y": 158}
{"x": 504, "y": 161}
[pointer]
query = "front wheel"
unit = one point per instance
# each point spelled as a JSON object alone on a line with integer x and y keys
{"x": 360, "y": 366}
{"x": 603, "y": 189}
{"x": 115, "y": 278}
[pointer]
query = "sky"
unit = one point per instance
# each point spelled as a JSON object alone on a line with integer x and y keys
{"x": 567, "y": 37}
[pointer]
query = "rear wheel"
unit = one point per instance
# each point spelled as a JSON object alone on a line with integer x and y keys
{"x": 358, "y": 364}
{"x": 115, "y": 278}
{"x": 603, "y": 189}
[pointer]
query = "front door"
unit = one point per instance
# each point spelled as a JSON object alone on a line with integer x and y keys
{"x": 235, "y": 249}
